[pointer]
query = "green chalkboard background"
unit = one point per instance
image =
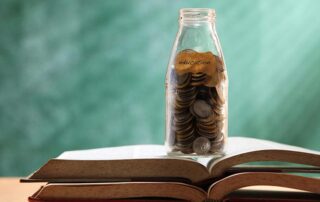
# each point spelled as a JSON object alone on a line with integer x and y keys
{"x": 81, "y": 74}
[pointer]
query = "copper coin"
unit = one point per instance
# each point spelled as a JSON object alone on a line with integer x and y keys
{"x": 220, "y": 93}
{"x": 183, "y": 80}
{"x": 218, "y": 144}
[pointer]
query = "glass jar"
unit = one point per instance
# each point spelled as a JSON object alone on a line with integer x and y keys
{"x": 196, "y": 88}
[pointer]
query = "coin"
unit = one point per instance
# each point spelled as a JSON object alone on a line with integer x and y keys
{"x": 201, "y": 145}
{"x": 218, "y": 144}
{"x": 207, "y": 129}
{"x": 183, "y": 127}
{"x": 185, "y": 97}
{"x": 201, "y": 109}
{"x": 183, "y": 80}
{"x": 182, "y": 117}
{"x": 219, "y": 89}
{"x": 186, "y": 149}
{"x": 203, "y": 93}
{"x": 207, "y": 121}
{"x": 198, "y": 76}
{"x": 217, "y": 109}
{"x": 198, "y": 79}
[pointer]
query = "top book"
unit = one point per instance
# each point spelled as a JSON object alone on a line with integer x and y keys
{"x": 151, "y": 163}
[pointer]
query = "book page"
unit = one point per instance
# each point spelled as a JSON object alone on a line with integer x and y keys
{"x": 127, "y": 152}
{"x": 125, "y": 163}
{"x": 242, "y": 150}
{"x": 220, "y": 189}
{"x": 118, "y": 190}
{"x": 116, "y": 153}
{"x": 237, "y": 145}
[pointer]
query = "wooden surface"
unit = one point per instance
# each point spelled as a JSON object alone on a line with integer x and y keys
{"x": 11, "y": 190}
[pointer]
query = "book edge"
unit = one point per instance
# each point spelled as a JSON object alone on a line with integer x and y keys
{"x": 40, "y": 175}
{"x": 220, "y": 166}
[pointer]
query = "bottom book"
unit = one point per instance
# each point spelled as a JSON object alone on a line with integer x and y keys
{"x": 234, "y": 188}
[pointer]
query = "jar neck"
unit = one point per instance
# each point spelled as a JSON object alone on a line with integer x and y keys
{"x": 197, "y": 30}
{"x": 197, "y": 16}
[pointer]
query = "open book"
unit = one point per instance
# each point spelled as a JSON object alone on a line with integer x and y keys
{"x": 174, "y": 191}
{"x": 150, "y": 163}
{"x": 146, "y": 173}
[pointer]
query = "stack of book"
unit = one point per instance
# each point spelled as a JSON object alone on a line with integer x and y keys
{"x": 147, "y": 173}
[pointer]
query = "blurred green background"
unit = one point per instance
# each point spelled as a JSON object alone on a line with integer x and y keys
{"x": 81, "y": 74}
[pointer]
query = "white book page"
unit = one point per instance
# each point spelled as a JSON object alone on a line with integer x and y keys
{"x": 237, "y": 145}
{"x": 113, "y": 153}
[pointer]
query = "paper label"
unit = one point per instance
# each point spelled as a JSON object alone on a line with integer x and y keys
{"x": 190, "y": 61}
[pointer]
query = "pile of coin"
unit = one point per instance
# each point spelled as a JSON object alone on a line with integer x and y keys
{"x": 198, "y": 119}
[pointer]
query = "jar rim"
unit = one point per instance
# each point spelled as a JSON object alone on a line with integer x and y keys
{"x": 197, "y": 14}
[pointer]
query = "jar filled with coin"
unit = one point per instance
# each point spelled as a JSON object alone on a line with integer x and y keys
{"x": 196, "y": 88}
